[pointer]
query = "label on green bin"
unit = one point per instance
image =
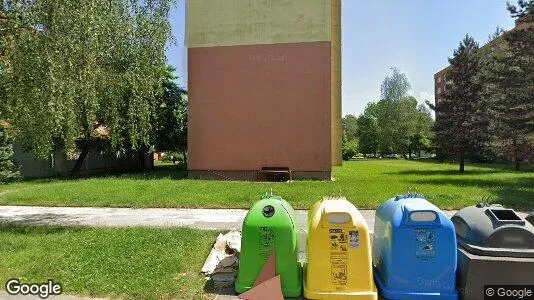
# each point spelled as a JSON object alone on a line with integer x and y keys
{"x": 339, "y": 244}
{"x": 266, "y": 239}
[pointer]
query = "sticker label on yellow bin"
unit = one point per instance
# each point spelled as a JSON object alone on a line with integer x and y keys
{"x": 339, "y": 243}
{"x": 354, "y": 239}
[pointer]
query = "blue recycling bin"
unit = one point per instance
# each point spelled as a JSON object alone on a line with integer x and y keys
{"x": 414, "y": 250}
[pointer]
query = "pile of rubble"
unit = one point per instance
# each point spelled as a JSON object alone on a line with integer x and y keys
{"x": 223, "y": 261}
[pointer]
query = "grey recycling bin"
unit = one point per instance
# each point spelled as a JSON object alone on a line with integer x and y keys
{"x": 495, "y": 247}
{"x": 530, "y": 218}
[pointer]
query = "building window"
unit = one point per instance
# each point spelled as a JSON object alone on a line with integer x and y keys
{"x": 439, "y": 78}
{"x": 439, "y": 90}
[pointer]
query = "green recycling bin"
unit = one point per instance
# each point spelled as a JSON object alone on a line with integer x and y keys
{"x": 270, "y": 225}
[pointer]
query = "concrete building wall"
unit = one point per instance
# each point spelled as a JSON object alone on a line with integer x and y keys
{"x": 336, "y": 129}
{"x": 261, "y": 88}
{"x": 212, "y": 23}
{"x": 60, "y": 165}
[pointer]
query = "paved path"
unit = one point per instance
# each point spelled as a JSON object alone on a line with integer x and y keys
{"x": 222, "y": 219}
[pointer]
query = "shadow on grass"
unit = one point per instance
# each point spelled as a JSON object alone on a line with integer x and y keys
{"x": 446, "y": 172}
{"x": 46, "y": 219}
{"x": 210, "y": 288}
{"x": 158, "y": 172}
{"x": 515, "y": 193}
{"x": 37, "y": 230}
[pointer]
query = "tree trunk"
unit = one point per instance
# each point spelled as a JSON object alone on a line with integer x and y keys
{"x": 409, "y": 154}
{"x": 184, "y": 153}
{"x": 81, "y": 158}
{"x": 462, "y": 163}
{"x": 141, "y": 151}
{"x": 516, "y": 155}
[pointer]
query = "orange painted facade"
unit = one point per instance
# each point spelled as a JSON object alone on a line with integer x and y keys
{"x": 264, "y": 106}
{"x": 260, "y": 89}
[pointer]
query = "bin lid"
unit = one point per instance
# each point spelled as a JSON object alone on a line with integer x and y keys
{"x": 493, "y": 230}
{"x": 273, "y": 208}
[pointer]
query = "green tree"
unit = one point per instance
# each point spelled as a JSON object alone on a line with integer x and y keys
{"x": 405, "y": 115}
{"x": 170, "y": 118}
{"x": 422, "y": 139}
{"x": 395, "y": 86}
{"x": 368, "y": 131}
{"x": 73, "y": 66}
{"x": 349, "y": 148}
{"x": 523, "y": 8}
{"x": 393, "y": 89}
{"x": 509, "y": 76}
{"x": 461, "y": 115}
{"x": 349, "y": 123}
{"x": 8, "y": 169}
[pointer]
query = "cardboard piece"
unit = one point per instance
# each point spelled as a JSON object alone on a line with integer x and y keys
{"x": 268, "y": 290}
{"x": 268, "y": 271}
{"x": 267, "y": 285}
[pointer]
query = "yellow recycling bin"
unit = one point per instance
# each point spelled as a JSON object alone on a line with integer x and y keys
{"x": 339, "y": 253}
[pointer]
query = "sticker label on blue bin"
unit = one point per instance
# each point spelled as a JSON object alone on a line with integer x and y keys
{"x": 339, "y": 243}
{"x": 425, "y": 244}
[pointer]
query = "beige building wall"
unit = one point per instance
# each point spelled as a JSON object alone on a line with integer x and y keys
{"x": 335, "y": 78}
{"x": 252, "y": 22}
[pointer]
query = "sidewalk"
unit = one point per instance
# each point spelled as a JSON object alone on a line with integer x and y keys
{"x": 219, "y": 219}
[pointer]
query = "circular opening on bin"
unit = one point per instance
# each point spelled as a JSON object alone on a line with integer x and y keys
{"x": 268, "y": 211}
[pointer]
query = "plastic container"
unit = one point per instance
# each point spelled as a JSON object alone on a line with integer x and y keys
{"x": 339, "y": 253}
{"x": 495, "y": 247}
{"x": 414, "y": 250}
{"x": 270, "y": 225}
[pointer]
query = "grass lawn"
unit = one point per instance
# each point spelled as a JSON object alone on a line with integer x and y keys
{"x": 133, "y": 263}
{"x": 366, "y": 183}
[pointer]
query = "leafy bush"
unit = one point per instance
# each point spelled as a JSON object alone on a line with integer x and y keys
{"x": 349, "y": 150}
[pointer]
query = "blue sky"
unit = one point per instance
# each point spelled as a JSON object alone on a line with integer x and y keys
{"x": 415, "y": 36}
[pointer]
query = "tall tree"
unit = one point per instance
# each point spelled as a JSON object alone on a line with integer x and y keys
{"x": 170, "y": 118}
{"x": 368, "y": 131}
{"x": 73, "y": 66}
{"x": 349, "y": 123}
{"x": 509, "y": 75}
{"x": 523, "y": 8}
{"x": 406, "y": 117}
{"x": 422, "y": 139}
{"x": 394, "y": 88}
{"x": 462, "y": 119}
